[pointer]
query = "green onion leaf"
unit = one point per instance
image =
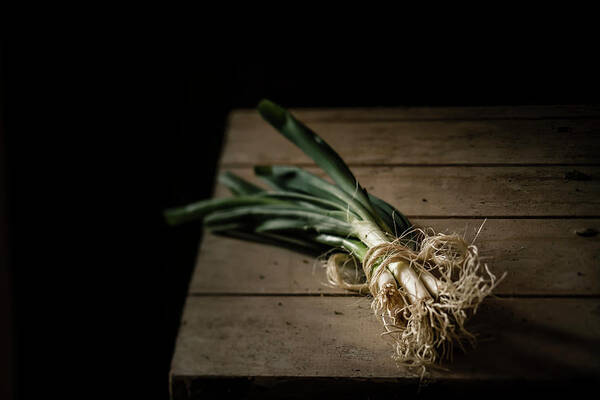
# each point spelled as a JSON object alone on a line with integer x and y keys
{"x": 294, "y": 179}
{"x": 355, "y": 247}
{"x": 298, "y": 244}
{"x": 322, "y": 154}
{"x": 237, "y": 185}
{"x": 262, "y": 213}
{"x": 200, "y": 209}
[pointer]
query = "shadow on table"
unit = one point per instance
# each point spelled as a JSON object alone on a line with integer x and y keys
{"x": 528, "y": 339}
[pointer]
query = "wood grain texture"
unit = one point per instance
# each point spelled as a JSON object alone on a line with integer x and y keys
{"x": 287, "y": 337}
{"x": 478, "y": 191}
{"x": 540, "y": 257}
{"x": 251, "y": 140}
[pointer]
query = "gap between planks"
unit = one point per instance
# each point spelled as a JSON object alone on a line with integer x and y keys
{"x": 423, "y": 165}
{"x": 503, "y": 216}
{"x": 299, "y": 114}
{"x": 435, "y": 113}
{"x": 500, "y": 296}
{"x": 444, "y": 119}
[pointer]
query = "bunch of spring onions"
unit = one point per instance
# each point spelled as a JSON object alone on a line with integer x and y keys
{"x": 424, "y": 285}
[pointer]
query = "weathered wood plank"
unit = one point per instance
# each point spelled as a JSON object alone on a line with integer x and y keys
{"x": 244, "y": 116}
{"x": 329, "y": 337}
{"x": 251, "y": 140}
{"x": 478, "y": 191}
{"x": 541, "y": 257}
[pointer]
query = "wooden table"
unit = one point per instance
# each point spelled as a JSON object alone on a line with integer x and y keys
{"x": 259, "y": 321}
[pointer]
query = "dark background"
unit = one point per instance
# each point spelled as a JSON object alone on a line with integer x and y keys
{"x": 100, "y": 135}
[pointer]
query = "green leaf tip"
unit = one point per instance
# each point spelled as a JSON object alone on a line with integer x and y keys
{"x": 274, "y": 114}
{"x": 323, "y": 155}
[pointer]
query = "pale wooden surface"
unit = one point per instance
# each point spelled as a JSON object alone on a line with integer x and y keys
{"x": 540, "y": 256}
{"x": 260, "y": 322}
{"x": 427, "y": 136}
{"x": 340, "y": 337}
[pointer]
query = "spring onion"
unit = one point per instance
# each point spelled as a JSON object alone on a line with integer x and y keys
{"x": 424, "y": 285}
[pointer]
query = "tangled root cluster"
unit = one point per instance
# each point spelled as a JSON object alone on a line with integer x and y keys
{"x": 423, "y": 330}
